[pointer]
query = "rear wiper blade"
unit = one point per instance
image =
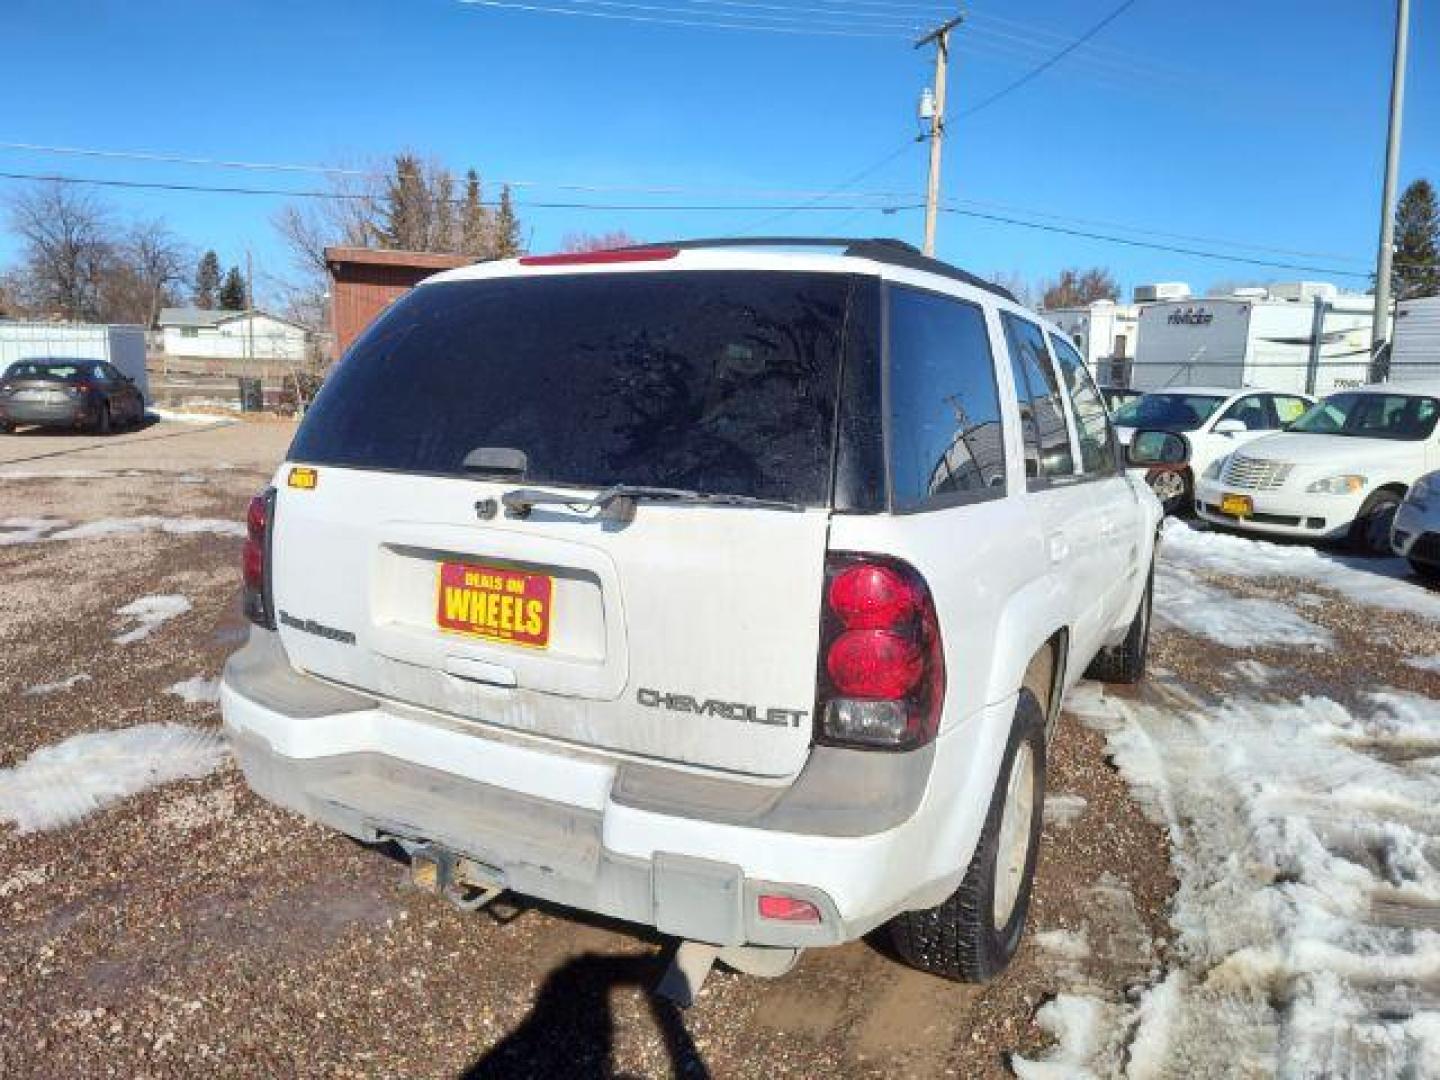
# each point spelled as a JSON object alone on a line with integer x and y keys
{"x": 618, "y": 502}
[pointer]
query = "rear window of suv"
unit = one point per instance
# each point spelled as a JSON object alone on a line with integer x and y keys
{"x": 714, "y": 381}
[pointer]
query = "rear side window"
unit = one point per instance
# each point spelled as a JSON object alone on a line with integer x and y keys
{"x": 715, "y": 381}
{"x": 1092, "y": 422}
{"x": 1042, "y": 410}
{"x": 946, "y": 443}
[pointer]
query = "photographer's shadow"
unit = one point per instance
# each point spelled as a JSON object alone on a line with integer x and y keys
{"x": 570, "y": 1031}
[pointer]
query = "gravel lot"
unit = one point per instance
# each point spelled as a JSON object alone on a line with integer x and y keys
{"x": 192, "y": 929}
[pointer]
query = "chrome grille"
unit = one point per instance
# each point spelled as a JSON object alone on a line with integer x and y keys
{"x": 1257, "y": 475}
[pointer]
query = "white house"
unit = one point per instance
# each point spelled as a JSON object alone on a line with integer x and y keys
{"x": 1105, "y": 334}
{"x": 232, "y": 335}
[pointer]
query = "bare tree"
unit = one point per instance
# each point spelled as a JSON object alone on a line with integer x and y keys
{"x": 1014, "y": 282}
{"x": 157, "y": 258}
{"x": 1076, "y": 288}
{"x": 65, "y": 235}
{"x": 577, "y": 243}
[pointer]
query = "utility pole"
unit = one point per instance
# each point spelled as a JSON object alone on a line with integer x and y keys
{"x": 1379, "y": 329}
{"x": 941, "y": 37}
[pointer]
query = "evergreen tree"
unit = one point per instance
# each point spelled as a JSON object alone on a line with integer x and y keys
{"x": 207, "y": 281}
{"x": 475, "y": 221}
{"x": 407, "y": 215}
{"x": 233, "y": 296}
{"x": 444, "y": 236}
{"x": 507, "y": 228}
{"x": 1417, "y": 243}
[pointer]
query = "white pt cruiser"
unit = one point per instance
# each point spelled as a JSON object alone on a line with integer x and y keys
{"x": 726, "y": 590}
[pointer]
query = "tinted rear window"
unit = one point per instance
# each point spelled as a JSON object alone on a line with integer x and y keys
{"x": 716, "y": 381}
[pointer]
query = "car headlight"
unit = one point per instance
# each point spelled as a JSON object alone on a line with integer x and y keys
{"x": 1215, "y": 468}
{"x": 1347, "y": 484}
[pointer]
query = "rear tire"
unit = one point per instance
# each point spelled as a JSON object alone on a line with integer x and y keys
{"x": 1370, "y": 532}
{"x": 973, "y": 935}
{"x": 102, "y": 419}
{"x": 1125, "y": 663}
{"x": 1428, "y": 571}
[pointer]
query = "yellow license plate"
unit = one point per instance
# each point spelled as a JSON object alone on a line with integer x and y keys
{"x": 1237, "y": 505}
{"x": 495, "y": 603}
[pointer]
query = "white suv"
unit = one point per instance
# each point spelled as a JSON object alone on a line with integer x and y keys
{"x": 726, "y": 590}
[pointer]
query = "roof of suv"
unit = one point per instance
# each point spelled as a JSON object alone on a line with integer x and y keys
{"x": 885, "y": 251}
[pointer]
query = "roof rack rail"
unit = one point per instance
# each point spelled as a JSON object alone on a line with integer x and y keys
{"x": 879, "y": 249}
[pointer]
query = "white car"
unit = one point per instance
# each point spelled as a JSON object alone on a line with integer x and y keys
{"x": 1415, "y": 535}
{"x": 723, "y": 590}
{"x": 1215, "y": 420}
{"x": 1337, "y": 473}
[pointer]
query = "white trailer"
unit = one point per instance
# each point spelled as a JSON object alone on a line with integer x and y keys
{"x": 123, "y": 346}
{"x": 1105, "y": 333}
{"x": 1304, "y": 336}
{"x": 1415, "y": 348}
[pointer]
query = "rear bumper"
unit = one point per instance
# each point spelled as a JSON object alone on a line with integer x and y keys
{"x": 596, "y": 833}
{"x": 1281, "y": 513}
{"x": 57, "y": 414}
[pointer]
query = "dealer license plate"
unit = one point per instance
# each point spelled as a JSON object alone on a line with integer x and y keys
{"x": 494, "y": 603}
{"x": 1237, "y": 505}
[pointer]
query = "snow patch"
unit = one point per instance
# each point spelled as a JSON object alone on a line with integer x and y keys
{"x": 23, "y": 530}
{"x": 58, "y": 785}
{"x": 1184, "y": 601}
{"x": 1383, "y": 583}
{"x": 1425, "y": 663}
{"x": 23, "y": 879}
{"x": 1088, "y": 1036}
{"x": 69, "y": 683}
{"x": 181, "y": 416}
{"x": 1062, "y": 811}
{"x": 150, "y": 612}
{"x": 1308, "y": 907}
{"x": 36, "y": 530}
{"x": 1065, "y": 944}
{"x": 196, "y": 690}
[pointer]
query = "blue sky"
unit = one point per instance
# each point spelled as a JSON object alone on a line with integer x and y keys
{"x": 1253, "y": 124}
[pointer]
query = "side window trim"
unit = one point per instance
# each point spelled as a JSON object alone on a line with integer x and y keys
{"x": 1116, "y": 456}
{"x": 1072, "y": 426}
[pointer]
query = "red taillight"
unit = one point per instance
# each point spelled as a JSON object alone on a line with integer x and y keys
{"x": 255, "y": 557}
{"x": 582, "y": 258}
{"x": 788, "y": 909}
{"x": 874, "y": 664}
{"x": 870, "y": 595}
{"x": 882, "y": 676}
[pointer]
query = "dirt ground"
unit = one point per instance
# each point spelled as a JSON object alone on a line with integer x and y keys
{"x": 193, "y": 929}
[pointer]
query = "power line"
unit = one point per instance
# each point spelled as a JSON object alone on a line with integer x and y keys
{"x": 868, "y": 170}
{"x": 1036, "y": 72}
{"x": 706, "y": 24}
{"x": 731, "y": 208}
{"x": 1195, "y": 252}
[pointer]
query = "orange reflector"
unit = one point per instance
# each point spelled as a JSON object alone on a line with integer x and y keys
{"x": 788, "y": 909}
{"x": 303, "y": 478}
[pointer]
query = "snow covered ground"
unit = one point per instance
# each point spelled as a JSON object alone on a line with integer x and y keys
{"x": 1305, "y": 837}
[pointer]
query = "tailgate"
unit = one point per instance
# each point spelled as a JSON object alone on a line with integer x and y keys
{"x": 688, "y": 634}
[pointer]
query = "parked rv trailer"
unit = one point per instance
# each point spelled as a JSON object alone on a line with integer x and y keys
{"x": 1302, "y": 337}
{"x": 1415, "y": 349}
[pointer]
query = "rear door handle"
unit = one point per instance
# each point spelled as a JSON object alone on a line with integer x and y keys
{"x": 481, "y": 671}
